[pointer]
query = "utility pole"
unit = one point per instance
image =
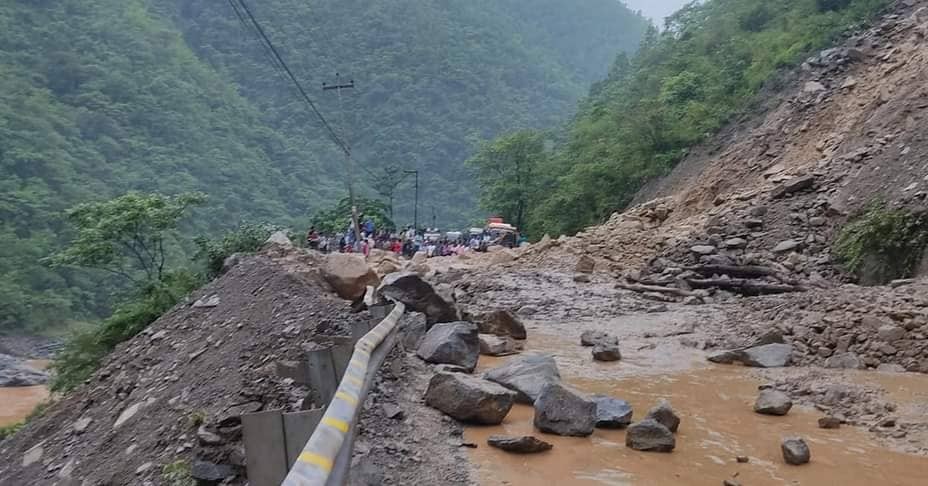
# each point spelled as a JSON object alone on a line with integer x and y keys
{"x": 415, "y": 211}
{"x": 349, "y": 168}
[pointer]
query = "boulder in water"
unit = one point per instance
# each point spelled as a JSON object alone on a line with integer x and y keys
{"x": 612, "y": 413}
{"x": 773, "y": 402}
{"x": 468, "y": 398}
{"x": 650, "y": 435}
{"x": 525, "y": 444}
{"x": 795, "y": 451}
{"x": 501, "y": 323}
{"x": 526, "y": 375}
{"x": 451, "y": 343}
{"x": 562, "y": 410}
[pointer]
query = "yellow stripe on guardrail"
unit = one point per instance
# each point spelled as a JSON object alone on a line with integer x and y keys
{"x": 316, "y": 461}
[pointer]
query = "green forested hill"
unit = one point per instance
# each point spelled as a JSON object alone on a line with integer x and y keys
{"x": 684, "y": 83}
{"x": 98, "y": 97}
{"x": 432, "y": 76}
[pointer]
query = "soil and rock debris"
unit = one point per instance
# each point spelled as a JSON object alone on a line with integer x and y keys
{"x": 173, "y": 394}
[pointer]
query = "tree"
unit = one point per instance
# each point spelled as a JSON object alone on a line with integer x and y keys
{"x": 507, "y": 175}
{"x": 337, "y": 218}
{"x": 385, "y": 181}
{"x": 125, "y": 236}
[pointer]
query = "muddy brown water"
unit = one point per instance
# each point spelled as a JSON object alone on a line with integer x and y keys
{"x": 16, "y": 403}
{"x": 718, "y": 424}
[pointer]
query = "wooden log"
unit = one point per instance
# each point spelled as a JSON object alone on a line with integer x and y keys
{"x": 740, "y": 271}
{"x": 654, "y": 288}
{"x": 743, "y": 286}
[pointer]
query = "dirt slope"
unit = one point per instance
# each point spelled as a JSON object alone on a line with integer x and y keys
{"x": 196, "y": 364}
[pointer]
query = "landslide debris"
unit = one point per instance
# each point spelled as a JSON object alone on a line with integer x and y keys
{"x": 168, "y": 401}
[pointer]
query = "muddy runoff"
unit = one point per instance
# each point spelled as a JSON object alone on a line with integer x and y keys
{"x": 718, "y": 424}
{"x": 16, "y": 403}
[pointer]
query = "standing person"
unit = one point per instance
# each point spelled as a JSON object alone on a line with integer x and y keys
{"x": 369, "y": 227}
{"x": 312, "y": 238}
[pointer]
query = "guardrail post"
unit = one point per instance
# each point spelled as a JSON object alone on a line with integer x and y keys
{"x": 342, "y": 348}
{"x": 265, "y": 448}
{"x": 298, "y": 428}
{"x": 320, "y": 369}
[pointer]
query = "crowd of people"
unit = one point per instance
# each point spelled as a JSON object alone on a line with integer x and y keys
{"x": 406, "y": 242}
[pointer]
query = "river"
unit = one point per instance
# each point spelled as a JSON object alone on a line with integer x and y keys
{"x": 16, "y": 403}
{"x": 718, "y": 424}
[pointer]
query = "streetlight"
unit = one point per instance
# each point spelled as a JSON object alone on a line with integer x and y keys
{"x": 415, "y": 217}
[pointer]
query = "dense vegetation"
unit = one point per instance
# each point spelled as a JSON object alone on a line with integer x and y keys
{"x": 684, "y": 83}
{"x": 101, "y": 97}
{"x": 882, "y": 243}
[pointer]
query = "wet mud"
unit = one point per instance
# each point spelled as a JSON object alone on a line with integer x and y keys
{"x": 718, "y": 424}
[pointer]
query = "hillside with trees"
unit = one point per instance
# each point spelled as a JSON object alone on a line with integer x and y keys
{"x": 684, "y": 84}
{"x": 103, "y": 97}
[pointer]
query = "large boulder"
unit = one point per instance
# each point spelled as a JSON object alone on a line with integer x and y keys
{"x": 410, "y": 289}
{"x": 591, "y": 337}
{"x": 451, "y": 343}
{"x": 527, "y": 375}
{"x": 650, "y": 435}
{"x": 349, "y": 274}
{"x": 564, "y": 411}
{"x": 468, "y": 398}
{"x": 612, "y": 413}
{"x": 767, "y": 356}
{"x": 586, "y": 264}
{"x": 525, "y": 444}
{"x": 501, "y": 323}
{"x": 795, "y": 451}
{"x": 772, "y": 402}
{"x": 491, "y": 345}
{"x": 664, "y": 414}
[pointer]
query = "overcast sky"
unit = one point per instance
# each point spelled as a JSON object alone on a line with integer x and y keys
{"x": 656, "y": 9}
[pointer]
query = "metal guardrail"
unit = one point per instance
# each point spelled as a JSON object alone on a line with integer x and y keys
{"x": 326, "y": 457}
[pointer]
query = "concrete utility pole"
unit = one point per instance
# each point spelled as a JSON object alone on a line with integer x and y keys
{"x": 349, "y": 166}
{"x": 415, "y": 213}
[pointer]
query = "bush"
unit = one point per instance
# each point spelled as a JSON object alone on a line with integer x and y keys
{"x": 882, "y": 244}
{"x": 82, "y": 354}
{"x": 178, "y": 473}
{"x": 247, "y": 238}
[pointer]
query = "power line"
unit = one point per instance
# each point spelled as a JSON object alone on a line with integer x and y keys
{"x": 331, "y": 132}
{"x": 264, "y": 49}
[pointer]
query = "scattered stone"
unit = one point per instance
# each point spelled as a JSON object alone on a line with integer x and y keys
{"x": 890, "y": 333}
{"x": 127, "y": 414}
{"x": 451, "y": 343}
{"x": 207, "y": 302}
{"x": 208, "y": 438}
{"x": 582, "y": 278}
{"x": 80, "y": 426}
{"x": 525, "y": 444}
{"x": 735, "y": 243}
{"x": 795, "y": 184}
{"x": 612, "y": 413}
{"x": 813, "y": 87}
{"x": 795, "y": 451}
{"x": 210, "y": 473}
{"x": 591, "y": 337}
{"x": 731, "y": 482}
{"x": 785, "y": 246}
{"x": 501, "y": 323}
{"x": 742, "y": 459}
{"x": 585, "y": 264}
{"x": 349, "y": 274}
{"x": 607, "y": 350}
{"x": 773, "y": 402}
{"x": 392, "y": 411}
{"x": 848, "y": 361}
{"x": 650, "y": 435}
{"x": 564, "y": 411}
{"x": 491, "y": 345}
{"x": 410, "y": 289}
{"x": 703, "y": 249}
{"x": 890, "y": 368}
{"x": 829, "y": 423}
{"x": 144, "y": 467}
{"x": 664, "y": 414}
{"x": 527, "y": 375}
{"x": 468, "y": 398}
{"x": 34, "y": 454}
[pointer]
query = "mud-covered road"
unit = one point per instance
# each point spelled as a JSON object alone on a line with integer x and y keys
{"x": 884, "y": 440}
